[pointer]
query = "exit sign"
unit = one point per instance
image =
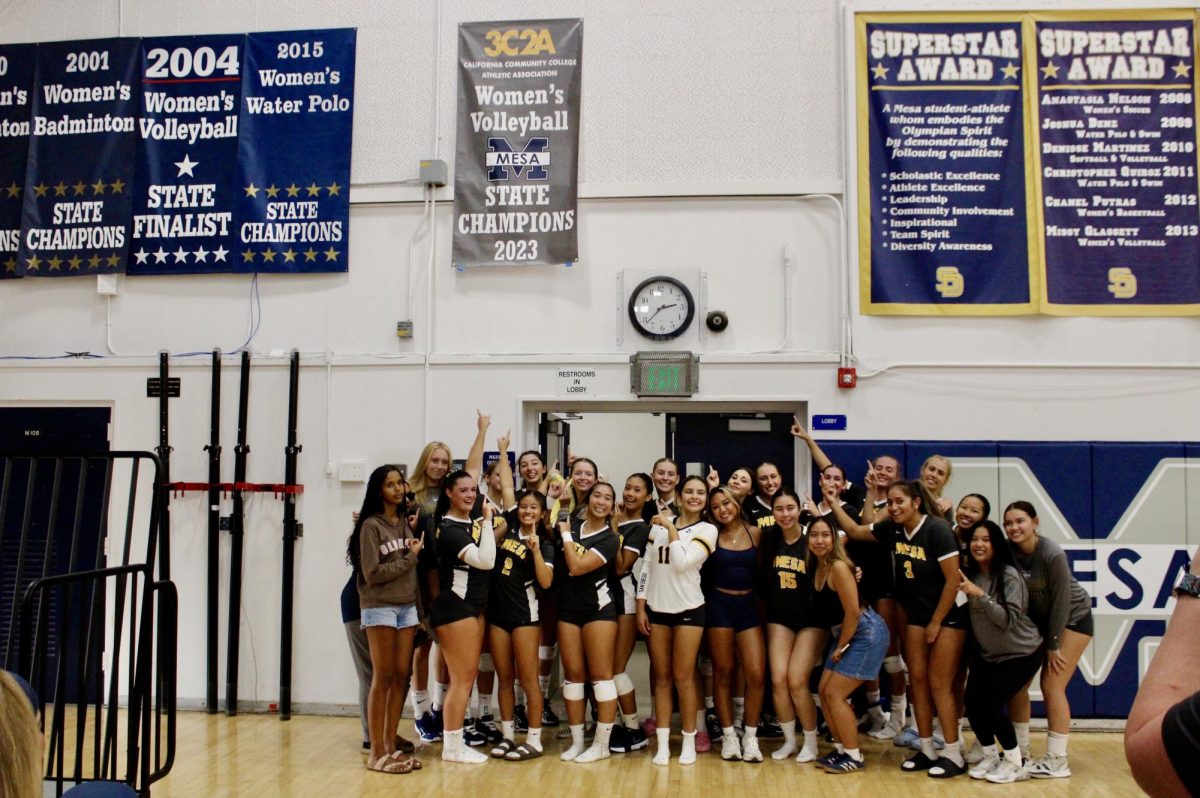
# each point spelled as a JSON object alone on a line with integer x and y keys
{"x": 664, "y": 373}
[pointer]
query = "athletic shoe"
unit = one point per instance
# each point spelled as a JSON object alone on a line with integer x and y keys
{"x": 637, "y": 739}
{"x": 703, "y": 742}
{"x": 946, "y": 768}
{"x": 876, "y": 727}
{"x": 548, "y": 716}
{"x": 731, "y": 749}
{"x": 618, "y": 740}
{"x": 975, "y": 755}
{"x": 712, "y": 724}
{"x": 472, "y": 735}
{"x": 984, "y": 767}
{"x": 769, "y": 727}
{"x": 486, "y": 726}
{"x": 520, "y": 719}
{"x": 1006, "y": 773}
{"x": 821, "y": 760}
{"x": 1025, "y": 755}
{"x": 844, "y": 763}
{"x": 750, "y": 751}
{"x": 1050, "y": 766}
{"x": 438, "y": 721}
{"x": 907, "y": 738}
{"x": 890, "y": 729}
{"x": 427, "y": 728}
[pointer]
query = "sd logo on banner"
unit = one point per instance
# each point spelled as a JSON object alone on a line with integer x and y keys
{"x": 517, "y": 161}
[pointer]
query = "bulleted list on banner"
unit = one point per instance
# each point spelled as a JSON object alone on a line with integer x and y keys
{"x": 517, "y": 156}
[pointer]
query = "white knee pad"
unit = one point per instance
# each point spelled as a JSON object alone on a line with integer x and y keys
{"x": 572, "y": 691}
{"x": 604, "y": 690}
{"x": 706, "y": 666}
{"x": 894, "y": 664}
{"x": 624, "y": 683}
{"x": 546, "y": 652}
{"x": 485, "y": 663}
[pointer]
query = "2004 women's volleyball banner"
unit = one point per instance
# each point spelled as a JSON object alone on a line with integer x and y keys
{"x": 516, "y": 169}
{"x": 941, "y": 166}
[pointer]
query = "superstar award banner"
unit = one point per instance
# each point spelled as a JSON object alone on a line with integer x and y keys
{"x": 76, "y": 211}
{"x": 1115, "y": 124}
{"x": 942, "y": 189}
{"x": 16, "y": 89}
{"x": 516, "y": 168}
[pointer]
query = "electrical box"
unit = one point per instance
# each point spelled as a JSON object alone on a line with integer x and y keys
{"x": 352, "y": 471}
{"x": 433, "y": 173}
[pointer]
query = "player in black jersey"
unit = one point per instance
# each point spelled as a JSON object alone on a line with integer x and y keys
{"x": 587, "y": 621}
{"x": 926, "y": 561}
{"x": 525, "y": 557}
{"x": 767, "y": 481}
{"x": 632, "y": 531}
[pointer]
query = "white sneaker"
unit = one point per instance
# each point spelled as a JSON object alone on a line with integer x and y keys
{"x": 984, "y": 767}
{"x": 1006, "y": 773}
{"x": 466, "y": 755}
{"x": 878, "y": 724}
{"x": 783, "y": 753}
{"x": 807, "y": 754}
{"x": 1050, "y": 766}
{"x": 975, "y": 755}
{"x": 750, "y": 752}
{"x": 594, "y": 754}
{"x": 731, "y": 749}
{"x": 890, "y": 729}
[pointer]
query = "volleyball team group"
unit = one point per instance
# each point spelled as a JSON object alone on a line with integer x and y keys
{"x": 765, "y": 612}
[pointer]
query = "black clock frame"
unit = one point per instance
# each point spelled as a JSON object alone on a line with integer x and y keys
{"x": 687, "y": 322}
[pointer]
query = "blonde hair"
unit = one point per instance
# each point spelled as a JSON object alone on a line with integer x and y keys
{"x": 20, "y": 743}
{"x": 425, "y": 491}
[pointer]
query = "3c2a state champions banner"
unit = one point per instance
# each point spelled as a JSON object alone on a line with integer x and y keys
{"x": 516, "y": 167}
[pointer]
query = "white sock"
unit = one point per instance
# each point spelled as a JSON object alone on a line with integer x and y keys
{"x": 739, "y": 711}
{"x": 439, "y": 695}
{"x": 544, "y": 683}
{"x": 954, "y": 754}
{"x": 485, "y": 705}
{"x": 899, "y": 707}
{"x": 990, "y": 751}
{"x": 577, "y": 735}
{"x": 663, "y": 736}
{"x": 750, "y": 733}
{"x": 630, "y": 721}
{"x": 519, "y": 693}
{"x": 927, "y": 747}
{"x": 841, "y": 749}
{"x": 699, "y": 719}
{"x": 810, "y": 738}
{"x": 1022, "y": 731}
{"x": 420, "y": 702}
{"x": 1056, "y": 744}
{"x": 708, "y": 702}
{"x": 789, "y": 732}
{"x": 854, "y": 754}
{"x": 1013, "y": 756}
{"x": 603, "y": 733}
{"x": 728, "y": 731}
{"x": 506, "y": 728}
{"x": 687, "y": 756}
{"x": 533, "y": 738}
{"x": 452, "y": 741}
{"x": 473, "y": 703}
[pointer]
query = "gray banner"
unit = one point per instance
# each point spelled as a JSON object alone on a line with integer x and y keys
{"x": 516, "y": 168}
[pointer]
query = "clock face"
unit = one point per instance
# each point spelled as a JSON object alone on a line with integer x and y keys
{"x": 661, "y": 308}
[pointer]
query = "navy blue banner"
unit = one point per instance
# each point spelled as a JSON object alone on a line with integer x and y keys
{"x": 183, "y": 197}
{"x": 941, "y": 167}
{"x": 16, "y": 97}
{"x": 75, "y": 217}
{"x": 293, "y": 180}
{"x": 1116, "y": 126}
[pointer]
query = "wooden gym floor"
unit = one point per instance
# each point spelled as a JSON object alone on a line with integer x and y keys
{"x": 259, "y": 756}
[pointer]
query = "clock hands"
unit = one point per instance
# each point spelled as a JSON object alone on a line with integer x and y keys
{"x": 661, "y": 308}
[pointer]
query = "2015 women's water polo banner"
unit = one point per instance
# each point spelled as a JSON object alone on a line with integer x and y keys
{"x": 1025, "y": 163}
{"x": 178, "y": 155}
{"x": 516, "y": 168}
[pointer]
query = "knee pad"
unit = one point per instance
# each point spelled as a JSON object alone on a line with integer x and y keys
{"x": 546, "y": 652}
{"x": 893, "y": 664}
{"x": 624, "y": 683}
{"x": 485, "y": 663}
{"x": 706, "y": 666}
{"x": 604, "y": 690}
{"x": 572, "y": 691}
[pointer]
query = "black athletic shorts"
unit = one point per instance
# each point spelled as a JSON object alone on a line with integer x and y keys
{"x": 692, "y": 617}
{"x": 583, "y": 617}
{"x": 448, "y": 608}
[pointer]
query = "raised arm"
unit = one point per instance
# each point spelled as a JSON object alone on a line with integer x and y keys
{"x": 853, "y": 529}
{"x": 819, "y": 458}
{"x": 507, "y": 494}
{"x": 474, "y": 465}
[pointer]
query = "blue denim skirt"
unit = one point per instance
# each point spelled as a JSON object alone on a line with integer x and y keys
{"x": 868, "y": 647}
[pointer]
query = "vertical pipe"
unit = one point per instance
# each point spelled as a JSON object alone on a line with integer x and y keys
{"x": 214, "y": 534}
{"x": 290, "y": 533}
{"x": 162, "y": 493}
{"x": 237, "y": 529}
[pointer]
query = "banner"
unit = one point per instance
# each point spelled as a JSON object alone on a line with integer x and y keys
{"x": 516, "y": 169}
{"x": 16, "y": 88}
{"x": 184, "y": 194}
{"x": 1115, "y": 122}
{"x": 941, "y": 166}
{"x": 293, "y": 179}
{"x": 76, "y": 211}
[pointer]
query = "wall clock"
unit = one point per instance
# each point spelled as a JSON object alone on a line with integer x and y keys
{"x": 661, "y": 308}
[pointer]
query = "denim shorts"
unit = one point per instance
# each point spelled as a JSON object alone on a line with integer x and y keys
{"x": 402, "y": 617}
{"x": 868, "y": 647}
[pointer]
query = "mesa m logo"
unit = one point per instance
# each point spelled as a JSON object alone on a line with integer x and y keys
{"x": 532, "y": 162}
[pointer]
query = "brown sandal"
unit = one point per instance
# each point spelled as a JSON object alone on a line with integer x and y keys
{"x": 411, "y": 761}
{"x": 388, "y": 764}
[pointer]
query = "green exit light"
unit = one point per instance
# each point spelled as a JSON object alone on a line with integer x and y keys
{"x": 662, "y": 379}
{"x": 664, "y": 374}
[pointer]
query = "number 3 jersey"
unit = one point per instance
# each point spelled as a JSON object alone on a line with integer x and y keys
{"x": 917, "y": 560}
{"x": 670, "y": 580}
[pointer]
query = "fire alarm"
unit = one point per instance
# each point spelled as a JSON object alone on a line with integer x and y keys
{"x": 847, "y": 377}
{"x": 717, "y": 321}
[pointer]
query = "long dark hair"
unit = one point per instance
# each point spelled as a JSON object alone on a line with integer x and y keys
{"x": 372, "y": 505}
{"x": 1001, "y": 559}
{"x": 542, "y": 530}
{"x": 443, "y": 501}
{"x": 915, "y": 489}
{"x": 964, "y": 535}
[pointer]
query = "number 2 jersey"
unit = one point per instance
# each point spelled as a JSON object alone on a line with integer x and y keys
{"x": 513, "y": 600}
{"x": 917, "y": 563}
{"x": 666, "y": 587}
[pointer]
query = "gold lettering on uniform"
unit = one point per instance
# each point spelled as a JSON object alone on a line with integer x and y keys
{"x": 911, "y": 551}
{"x": 515, "y": 546}
{"x": 765, "y": 521}
{"x": 785, "y": 562}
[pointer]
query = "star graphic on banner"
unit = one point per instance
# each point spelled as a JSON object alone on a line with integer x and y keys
{"x": 98, "y": 187}
{"x": 1182, "y": 69}
{"x": 186, "y": 166}
{"x": 113, "y": 260}
{"x": 219, "y": 254}
{"x": 61, "y": 189}
{"x": 293, "y": 190}
{"x": 141, "y": 255}
{"x": 314, "y": 190}
{"x": 272, "y": 191}
{"x": 160, "y": 256}
{"x": 33, "y": 263}
{"x": 79, "y": 188}
{"x": 13, "y": 190}
{"x": 93, "y": 261}
{"x": 55, "y": 263}
{"x": 1010, "y": 71}
{"x": 201, "y": 255}
{"x": 1050, "y": 70}
{"x": 73, "y": 263}
{"x": 331, "y": 254}
{"x": 880, "y": 71}
{"x": 268, "y": 255}
{"x": 252, "y": 190}
{"x": 10, "y": 265}
{"x": 334, "y": 189}
{"x": 248, "y": 256}
{"x": 118, "y": 186}
{"x": 40, "y": 189}
{"x": 180, "y": 255}
{"x": 289, "y": 255}
{"x": 310, "y": 254}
